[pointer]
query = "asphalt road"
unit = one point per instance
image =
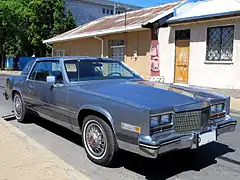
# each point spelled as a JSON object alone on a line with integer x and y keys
{"x": 219, "y": 160}
{"x": 2, "y": 80}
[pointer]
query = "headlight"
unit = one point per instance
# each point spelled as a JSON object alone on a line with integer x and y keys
{"x": 213, "y": 109}
{"x": 160, "y": 120}
{"x": 154, "y": 121}
{"x": 217, "y": 111}
{"x": 218, "y": 108}
{"x": 165, "y": 119}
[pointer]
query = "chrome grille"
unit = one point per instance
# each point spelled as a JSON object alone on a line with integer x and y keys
{"x": 189, "y": 121}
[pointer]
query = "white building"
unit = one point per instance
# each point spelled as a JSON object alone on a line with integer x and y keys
{"x": 201, "y": 45}
{"x": 88, "y": 10}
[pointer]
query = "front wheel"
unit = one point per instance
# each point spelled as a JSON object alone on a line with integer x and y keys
{"x": 99, "y": 141}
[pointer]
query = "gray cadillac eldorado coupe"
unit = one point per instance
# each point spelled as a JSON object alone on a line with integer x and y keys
{"x": 113, "y": 108}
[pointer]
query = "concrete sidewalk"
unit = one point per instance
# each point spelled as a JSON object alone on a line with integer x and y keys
{"x": 235, "y": 105}
{"x": 10, "y": 73}
{"x": 23, "y": 158}
{"x": 233, "y": 93}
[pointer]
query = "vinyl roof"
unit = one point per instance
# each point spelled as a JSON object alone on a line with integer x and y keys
{"x": 131, "y": 21}
{"x": 69, "y": 58}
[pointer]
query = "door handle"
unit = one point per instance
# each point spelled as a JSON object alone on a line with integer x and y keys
{"x": 31, "y": 87}
{"x": 182, "y": 65}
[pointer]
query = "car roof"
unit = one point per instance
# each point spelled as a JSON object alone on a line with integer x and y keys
{"x": 67, "y": 58}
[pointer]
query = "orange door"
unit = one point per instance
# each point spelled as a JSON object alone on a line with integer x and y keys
{"x": 182, "y": 61}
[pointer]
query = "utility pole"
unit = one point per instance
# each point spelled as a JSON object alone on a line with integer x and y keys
{"x": 115, "y": 7}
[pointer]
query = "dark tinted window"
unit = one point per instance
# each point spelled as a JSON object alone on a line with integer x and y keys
{"x": 43, "y": 69}
{"x": 220, "y": 43}
{"x": 182, "y": 34}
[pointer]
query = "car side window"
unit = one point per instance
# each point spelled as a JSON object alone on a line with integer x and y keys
{"x": 27, "y": 68}
{"x": 42, "y": 69}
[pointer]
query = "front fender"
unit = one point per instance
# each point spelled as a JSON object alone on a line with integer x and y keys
{"x": 99, "y": 110}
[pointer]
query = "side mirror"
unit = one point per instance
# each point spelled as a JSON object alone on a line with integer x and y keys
{"x": 51, "y": 79}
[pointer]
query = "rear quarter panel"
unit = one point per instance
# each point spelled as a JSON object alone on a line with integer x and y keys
{"x": 16, "y": 83}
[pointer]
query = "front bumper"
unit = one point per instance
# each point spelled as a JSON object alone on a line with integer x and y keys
{"x": 152, "y": 147}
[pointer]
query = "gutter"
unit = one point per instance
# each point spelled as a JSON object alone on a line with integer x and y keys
{"x": 102, "y": 48}
{"x": 96, "y": 33}
{"x": 203, "y": 17}
{"x": 51, "y": 46}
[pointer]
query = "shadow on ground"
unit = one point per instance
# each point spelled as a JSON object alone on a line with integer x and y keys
{"x": 171, "y": 164}
{"x": 166, "y": 166}
{"x": 10, "y": 117}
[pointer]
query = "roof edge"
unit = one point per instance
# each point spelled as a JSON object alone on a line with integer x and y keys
{"x": 175, "y": 20}
{"x": 95, "y": 33}
{"x": 167, "y": 12}
{"x": 115, "y": 30}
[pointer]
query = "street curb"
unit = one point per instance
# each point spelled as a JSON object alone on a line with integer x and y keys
{"x": 72, "y": 173}
{"x": 10, "y": 73}
{"x": 235, "y": 111}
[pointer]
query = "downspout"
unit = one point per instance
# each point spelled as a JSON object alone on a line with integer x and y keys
{"x": 51, "y": 46}
{"x": 100, "y": 39}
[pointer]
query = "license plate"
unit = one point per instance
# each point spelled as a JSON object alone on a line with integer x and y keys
{"x": 207, "y": 138}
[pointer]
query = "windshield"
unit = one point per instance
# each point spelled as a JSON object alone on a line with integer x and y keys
{"x": 83, "y": 70}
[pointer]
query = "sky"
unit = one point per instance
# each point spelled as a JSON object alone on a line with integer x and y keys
{"x": 145, "y": 3}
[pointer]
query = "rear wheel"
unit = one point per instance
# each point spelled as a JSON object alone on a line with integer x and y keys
{"x": 20, "y": 110}
{"x": 99, "y": 141}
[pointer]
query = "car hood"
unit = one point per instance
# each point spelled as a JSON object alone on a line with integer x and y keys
{"x": 147, "y": 94}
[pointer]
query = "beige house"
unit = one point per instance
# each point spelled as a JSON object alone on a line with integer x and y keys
{"x": 131, "y": 37}
{"x": 192, "y": 42}
{"x": 201, "y": 46}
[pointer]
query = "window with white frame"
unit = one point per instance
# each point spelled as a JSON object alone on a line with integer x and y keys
{"x": 117, "y": 51}
{"x": 220, "y": 43}
{"x": 59, "y": 53}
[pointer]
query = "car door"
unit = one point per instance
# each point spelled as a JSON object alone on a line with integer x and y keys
{"x": 49, "y": 100}
{"x": 37, "y": 86}
{"x": 57, "y": 97}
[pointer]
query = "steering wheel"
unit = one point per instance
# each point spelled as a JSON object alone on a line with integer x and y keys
{"x": 115, "y": 73}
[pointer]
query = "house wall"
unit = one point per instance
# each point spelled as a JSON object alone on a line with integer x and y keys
{"x": 82, "y": 47}
{"x": 138, "y": 40}
{"x": 85, "y": 12}
{"x": 201, "y": 73}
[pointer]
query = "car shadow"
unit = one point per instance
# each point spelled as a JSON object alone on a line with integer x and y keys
{"x": 166, "y": 166}
{"x": 174, "y": 163}
{"x": 10, "y": 117}
{"x": 59, "y": 130}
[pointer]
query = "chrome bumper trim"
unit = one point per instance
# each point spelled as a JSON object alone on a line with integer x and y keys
{"x": 148, "y": 146}
{"x": 152, "y": 149}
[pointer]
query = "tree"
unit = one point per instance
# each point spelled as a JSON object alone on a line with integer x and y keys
{"x": 47, "y": 19}
{"x": 10, "y": 26}
{"x": 24, "y": 24}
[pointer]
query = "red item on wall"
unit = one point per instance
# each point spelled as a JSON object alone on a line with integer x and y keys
{"x": 155, "y": 63}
